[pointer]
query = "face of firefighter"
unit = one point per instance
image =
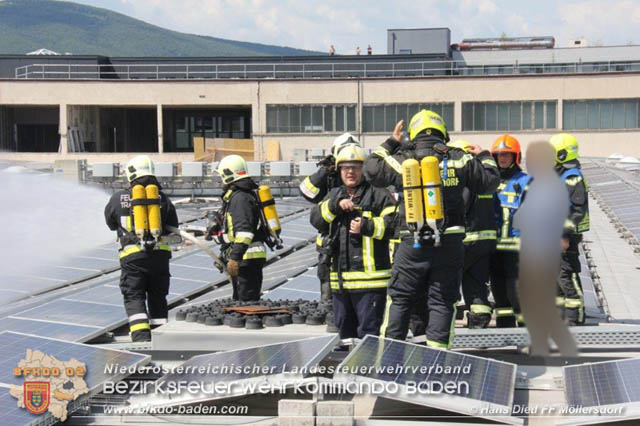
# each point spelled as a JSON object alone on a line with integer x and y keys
{"x": 505, "y": 160}
{"x": 351, "y": 174}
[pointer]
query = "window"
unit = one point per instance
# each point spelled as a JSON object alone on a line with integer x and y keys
{"x": 508, "y": 116}
{"x": 311, "y": 118}
{"x": 382, "y": 118}
{"x": 601, "y": 114}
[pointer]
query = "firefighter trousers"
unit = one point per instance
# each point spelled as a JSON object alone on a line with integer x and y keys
{"x": 504, "y": 282}
{"x": 475, "y": 275}
{"x": 248, "y": 284}
{"x": 569, "y": 285}
{"x": 358, "y": 313}
{"x": 426, "y": 272}
{"x": 144, "y": 281}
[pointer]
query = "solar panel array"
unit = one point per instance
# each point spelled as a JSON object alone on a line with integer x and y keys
{"x": 618, "y": 193}
{"x": 86, "y": 312}
{"x": 490, "y": 383}
{"x": 13, "y": 348}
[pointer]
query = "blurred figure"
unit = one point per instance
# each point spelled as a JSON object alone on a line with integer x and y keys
{"x": 369, "y": 50}
{"x": 570, "y": 299}
{"x": 314, "y": 188}
{"x": 479, "y": 244}
{"x": 504, "y": 262}
{"x": 541, "y": 221}
{"x": 332, "y": 50}
{"x": 358, "y": 50}
{"x": 358, "y": 218}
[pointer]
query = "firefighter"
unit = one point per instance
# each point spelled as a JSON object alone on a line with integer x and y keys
{"x": 140, "y": 216}
{"x": 504, "y": 261}
{"x": 314, "y": 188}
{"x": 570, "y": 297}
{"x": 243, "y": 230}
{"x": 358, "y": 218}
{"x": 428, "y": 268}
{"x": 479, "y": 244}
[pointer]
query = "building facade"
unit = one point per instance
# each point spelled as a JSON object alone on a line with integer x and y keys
{"x": 108, "y": 112}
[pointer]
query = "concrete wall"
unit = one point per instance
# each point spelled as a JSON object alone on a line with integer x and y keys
{"x": 259, "y": 94}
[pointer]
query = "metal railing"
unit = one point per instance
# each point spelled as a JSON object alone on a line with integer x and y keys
{"x": 283, "y": 70}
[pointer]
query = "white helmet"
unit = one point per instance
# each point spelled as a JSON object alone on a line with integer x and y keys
{"x": 342, "y": 141}
{"x": 139, "y": 166}
{"x": 232, "y": 168}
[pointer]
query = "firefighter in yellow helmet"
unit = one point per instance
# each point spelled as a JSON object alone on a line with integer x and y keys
{"x": 570, "y": 298}
{"x": 243, "y": 230}
{"x": 426, "y": 268}
{"x": 314, "y": 188}
{"x": 358, "y": 219}
{"x": 479, "y": 244}
{"x": 140, "y": 216}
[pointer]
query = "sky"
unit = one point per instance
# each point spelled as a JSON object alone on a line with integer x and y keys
{"x": 314, "y": 25}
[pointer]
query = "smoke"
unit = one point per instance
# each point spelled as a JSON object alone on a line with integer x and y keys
{"x": 45, "y": 219}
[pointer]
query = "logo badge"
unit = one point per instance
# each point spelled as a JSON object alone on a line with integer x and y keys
{"x": 36, "y": 397}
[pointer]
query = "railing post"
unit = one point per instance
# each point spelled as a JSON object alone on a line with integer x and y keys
{"x": 68, "y": 71}
{"x": 188, "y": 76}
{"x": 157, "y": 72}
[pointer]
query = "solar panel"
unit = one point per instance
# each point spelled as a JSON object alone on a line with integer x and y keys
{"x": 290, "y": 360}
{"x": 71, "y": 332}
{"x": 305, "y": 287}
{"x": 478, "y": 386}
{"x": 72, "y": 312}
{"x": 13, "y": 348}
{"x": 603, "y": 383}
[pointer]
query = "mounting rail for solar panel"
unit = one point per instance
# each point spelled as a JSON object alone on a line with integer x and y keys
{"x": 587, "y": 336}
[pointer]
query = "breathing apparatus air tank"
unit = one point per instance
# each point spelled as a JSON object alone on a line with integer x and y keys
{"x": 270, "y": 214}
{"x": 412, "y": 192}
{"x": 140, "y": 218}
{"x": 432, "y": 194}
{"x": 269, "y": 209}
{"x": 153, "y": 211}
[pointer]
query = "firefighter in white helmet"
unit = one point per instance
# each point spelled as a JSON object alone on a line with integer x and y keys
{"x": 314, "y": 188}
{"x": 243, "y": 231}
{"x": 140, "y": 215}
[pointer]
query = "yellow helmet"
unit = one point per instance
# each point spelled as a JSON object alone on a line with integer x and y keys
{"x": 232, "y": 168}
{"x": 462, "y": 144}
{"x": 139, "y": 166}
{"x": 342, "y": 141}
{"x": 350, "y": 154}
{"x": 427, "y": 120}
{"x": 566, "y": 147}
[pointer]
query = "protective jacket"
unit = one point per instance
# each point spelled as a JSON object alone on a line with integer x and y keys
{"x": 314, "y": 188}
{"x": 360, "y": 262}
{"x": 480, "y": 220}
{"x": 507, "y": 200}
{"x": 458, "y": 170}
{"x": 243, "y": 230}
{"x": 118, "y": 217}
{"x": 578, "y": 220}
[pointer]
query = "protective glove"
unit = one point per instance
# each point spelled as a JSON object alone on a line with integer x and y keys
{"x": 232, "y": 267}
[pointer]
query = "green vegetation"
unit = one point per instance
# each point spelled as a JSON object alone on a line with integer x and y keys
{"x": 28, "y": 25}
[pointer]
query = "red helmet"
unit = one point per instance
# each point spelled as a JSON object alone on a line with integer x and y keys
{"x": 507, "y": 143}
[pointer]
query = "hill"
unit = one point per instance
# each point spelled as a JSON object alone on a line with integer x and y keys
{"x": 28, "y": 25}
